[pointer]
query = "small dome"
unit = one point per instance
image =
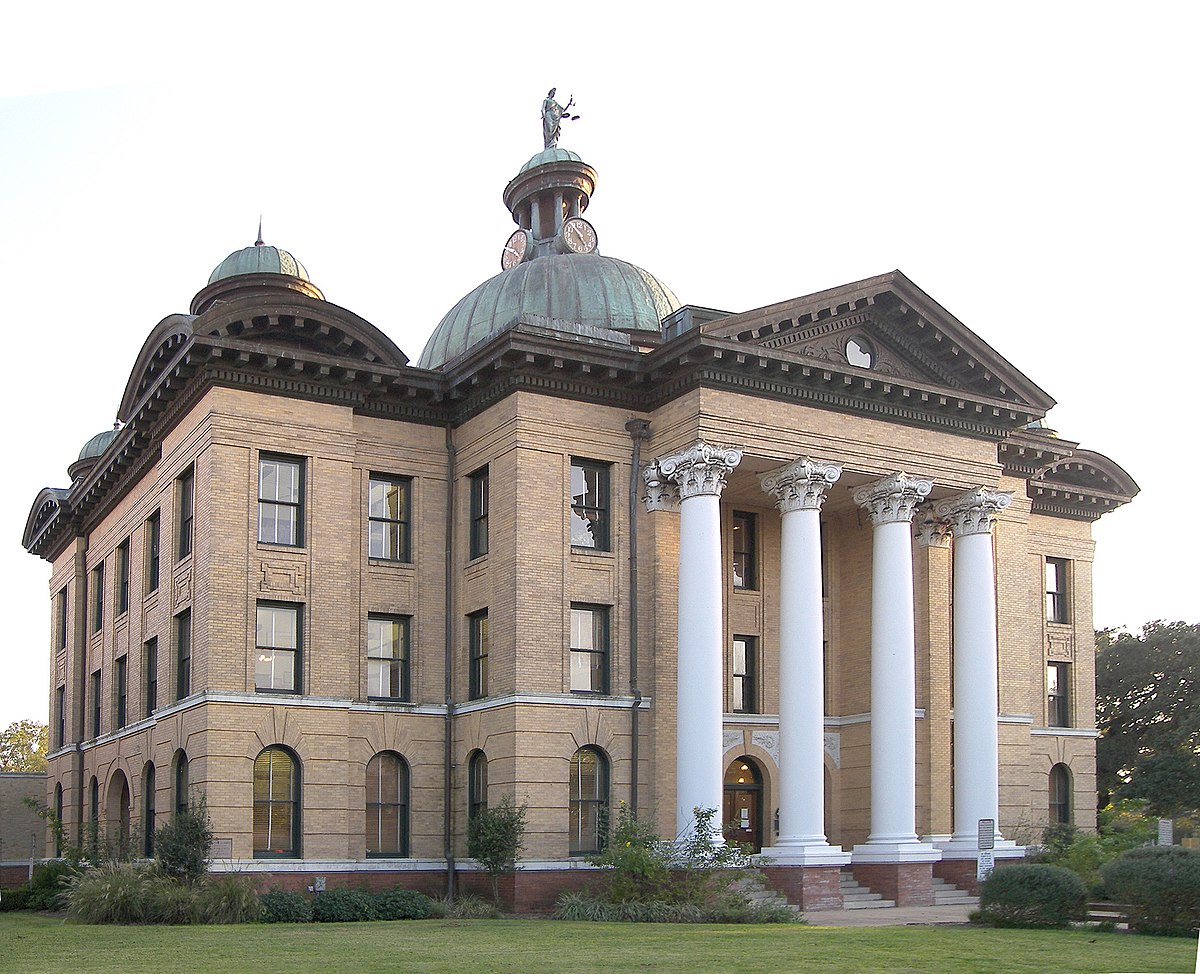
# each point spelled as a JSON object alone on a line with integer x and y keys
{"x": 258, "y": 259}
{"x": 553, "y": 154}
{"x": 97, "y": 445}
{"x": 598, "y": 292}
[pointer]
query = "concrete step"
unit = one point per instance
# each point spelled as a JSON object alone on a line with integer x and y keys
{"x": 755, "y": 889}
{"x": 947, "y": 894}
{"x": 855, "y": 896}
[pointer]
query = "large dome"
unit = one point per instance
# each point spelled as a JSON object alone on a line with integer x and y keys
{"x": 595, "y": 291}
{"x": 259, "y": 259}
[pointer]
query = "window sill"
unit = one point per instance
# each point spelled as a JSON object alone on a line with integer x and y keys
{"x": 278, "y": 693}
{"x": 393, "y": 701}
{"x": 588, "y": 551}
{"x": 280, "y": 546}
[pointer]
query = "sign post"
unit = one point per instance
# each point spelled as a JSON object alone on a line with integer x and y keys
{"x": 987, "y": 845}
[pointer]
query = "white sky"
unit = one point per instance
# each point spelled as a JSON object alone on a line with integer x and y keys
{"x": 1030, "y": 165}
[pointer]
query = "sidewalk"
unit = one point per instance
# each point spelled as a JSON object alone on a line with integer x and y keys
{"x": 896, "y": 916}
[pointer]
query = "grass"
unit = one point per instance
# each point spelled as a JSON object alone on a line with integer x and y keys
{"x": 32, "y": 943}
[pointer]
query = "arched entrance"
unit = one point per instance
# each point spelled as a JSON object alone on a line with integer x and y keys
{"x": 743, "y": 818}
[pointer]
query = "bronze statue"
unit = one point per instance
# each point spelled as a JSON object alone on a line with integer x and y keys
{"x": 553, "y": 115}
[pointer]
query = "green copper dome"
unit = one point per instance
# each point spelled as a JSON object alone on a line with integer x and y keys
{"x": 97, "y": 445}
{"x": 258, "y": 259}
{"x": 553, "y": 154}
{"x": 595, "y": 291}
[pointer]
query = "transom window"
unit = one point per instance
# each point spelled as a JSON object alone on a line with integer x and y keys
{"x": 589, "y": 505}
{"x": 1058, "y": 712}
{"x": 276, "y": 804}
{"x": 589, "y": 649}
{"x": 588, "y": 801}
{"x": 277, "y": 648}
{"x": 479, "y": 513}
{"x": 1056, "y": 590}
{"x": 745, "y": 550}
{"x": 387, "y": 805}
{"x": 387, "y": 657}
{"x": 745, "y": 666}
{"x": 388, "y": 517}
{"x": 477, "y": 625}
{"x": 280, "y": 500}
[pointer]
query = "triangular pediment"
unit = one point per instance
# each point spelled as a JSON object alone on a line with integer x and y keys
{"x": 888, "y": 326}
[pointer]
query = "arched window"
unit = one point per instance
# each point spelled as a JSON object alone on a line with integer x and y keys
{"x": 58, "y": 812}
{"x": 148, "y": 826}
{"x": 477, "y": 783}
{"x": 276, "y": 804}
{"x": 181, "y": 782}
{"x": 116, "y": 812}
{"x": 589, "y": 800}
{"x": 94, "y": 811}
{"x": 387, "y": 805}
{"x": 1060, "y": 794}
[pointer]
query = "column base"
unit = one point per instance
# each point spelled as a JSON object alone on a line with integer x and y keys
{"x": 811, "y": 888}
{"x": 960, "y": 860}
{"x": 906, "y": 850}
{"x": 809, "y": 854}
{"x": 962, "y": 847}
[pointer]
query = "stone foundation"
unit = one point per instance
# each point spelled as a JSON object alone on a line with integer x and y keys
{"x": 960, "y": 872}
{"x": 812, "y": 888}
{"x": 908, "y": 883}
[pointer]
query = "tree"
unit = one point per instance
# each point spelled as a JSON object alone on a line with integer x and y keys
{"x": 495, "y": 838}
{"x": 1148, "y": 711}
{"x": 23, "y": 746}
{"x": 181, "y": 844}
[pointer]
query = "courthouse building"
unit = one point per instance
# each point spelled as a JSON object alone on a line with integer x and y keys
{"x": 819, "y": 565}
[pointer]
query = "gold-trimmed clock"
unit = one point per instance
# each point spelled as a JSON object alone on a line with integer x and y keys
{"x": 518, "y": 248}
{"x": 578, "y": 236}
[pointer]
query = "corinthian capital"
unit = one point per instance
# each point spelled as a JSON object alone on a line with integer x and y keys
{"x": 930, "y": 530}
{"x": 700, "y": 469}
{"x": 661, "y": 494}
{"x": 974, "y": 511}
{"x": 801, "y": 485}
{"x": 894, "y": 498}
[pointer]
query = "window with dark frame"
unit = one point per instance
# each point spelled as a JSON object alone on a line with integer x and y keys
{"x": 123, "y": 577}
{"x": 1058, "y": 712}
{"x": 387, "y": 806}
{"x": 60, "y": 618}
{"x": 277, "y": 647}
{"x": 60, "y": 717}
{"x": 98, "y": 597}
{"x": 276, "y": 826}
{"x": 745, "y": 674}
{"x": 153, "y": 536}
{"x": 387, "y": 657}
{"x": 58, "y": 814}
{"x": 183, "y": 654}
{"x": 120, "y": 690}
{"x": 1056, "y": 591}
{"x": 150, "y": 671}
{"x": 744, "y": 548}
{"x": 281, "y": 500}
{"x": 181, "y": 782}
{"x": 148, "y": 811}
{"x": 589, "y": 649}
{"x": 477, "y": 627}
{"x": 1060, "y": 795}
{"x": 479, "y": 513}
{"x": 589, "y": 505}
{"x": 477, "y": 784}
{"x": 389, "y": 513}
{"x": 186, "y": 492}
{"x": 94, "y": 803}
{"x": 588, "y": 801}
{"x": 95, "y": 704}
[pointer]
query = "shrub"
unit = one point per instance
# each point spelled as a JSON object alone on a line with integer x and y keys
{"x": 575, "y": 905}
{"x": 464, "y": 908}
{"x": 495, "y": 838}
{"x": 112, "y": 893}
{"x": 181, "y": 845}
{"x": 15, "y": 899}
{"x": 1032, "y": 895}
{"x": 284, "y": 906}
{"x": 402, "y": 904}
{"x": 169, "y": 901}
{"x": 1161, "y": 887}
{"x": 343, "y": 906}
{"x": 228, "y": 898}
{"x": 634, "y": 854}
{"x": 45, "y": 889}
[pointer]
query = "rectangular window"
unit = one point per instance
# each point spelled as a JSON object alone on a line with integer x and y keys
{"x": 387, "y": 657}
{"x": 120, "y": 696}
{"x": 183, "y": 654}
{"x": 479, "y": 513}
{"x": 745, "y": 675}
{"x": 589, "y": 649}
{"x": 186, "y": 492}
{"x": 60, "y": 619}
{"x": 96, "y": 704}
{"x": 153, "y": 525}
{"x": 150, "y": 669}
{"x": 277, "y": 659}
{"x": 745, "y": 560}
{"x": 98, "y": 597}
{"x": 388, "y": 514}
{"x": 1058, "y": 712}
{"x": 1056, "y": 590}
{"x": 589, "y": 505}
{"x": 477, "y": 625}
{"x": 123, "y": 577}
{"x": 60, "y": 714}
{"x": 280, "y": 501}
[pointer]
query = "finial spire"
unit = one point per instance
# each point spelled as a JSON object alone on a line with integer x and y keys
{"x": 259, "y": 241}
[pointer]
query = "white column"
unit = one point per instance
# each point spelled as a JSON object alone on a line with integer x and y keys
{"x": 697, "y": 475}
{"x": 976, "y": 740}
{"x": 893, "y": 838}
{"x": 800, "y": 490}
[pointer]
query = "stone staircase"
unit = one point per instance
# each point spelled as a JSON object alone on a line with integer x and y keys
{"x": 755, "y": 889}
{"x": 858, "y": 897}
{"x": 947, "y": 894}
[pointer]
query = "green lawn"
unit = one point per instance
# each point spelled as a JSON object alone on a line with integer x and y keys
{"x": 38, "y": 943}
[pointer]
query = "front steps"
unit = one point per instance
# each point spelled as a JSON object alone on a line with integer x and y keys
{"x": 857, "y": 897}
{"x": 947, "y": 894}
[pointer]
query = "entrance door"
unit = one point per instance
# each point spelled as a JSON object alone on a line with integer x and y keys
{"x": 742, "y": 818}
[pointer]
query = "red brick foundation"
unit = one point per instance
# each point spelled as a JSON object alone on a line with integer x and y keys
{"x": 13, "y": 876}
{"x": 811, "y": 888}
{"x": 960, "y": 872}
{"x": 431, "y": 883}
{"x": 908, "y": 883}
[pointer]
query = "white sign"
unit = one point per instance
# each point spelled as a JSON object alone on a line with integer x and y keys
{"x": 1166, "y": 831}
{"x": 987, "y": 833}
{"x": 987, "y": 862}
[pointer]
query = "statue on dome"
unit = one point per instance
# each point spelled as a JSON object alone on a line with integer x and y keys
{"x": 553, "y": 115}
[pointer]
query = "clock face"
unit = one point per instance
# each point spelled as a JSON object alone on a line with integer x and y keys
{"x": 579, "y": 235}
{"x": 515, "y": 250}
